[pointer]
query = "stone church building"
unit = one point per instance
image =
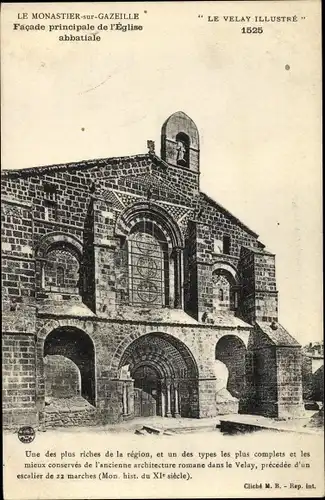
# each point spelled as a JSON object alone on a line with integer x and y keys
{"x": 129, "y": 292}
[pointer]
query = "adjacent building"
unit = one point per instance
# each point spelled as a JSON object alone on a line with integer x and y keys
{"x": 313, "y": 372}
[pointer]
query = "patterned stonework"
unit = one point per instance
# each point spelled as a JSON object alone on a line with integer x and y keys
{"x": 12, "y": 210}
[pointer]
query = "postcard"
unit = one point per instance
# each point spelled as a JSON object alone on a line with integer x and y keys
{"x": 162, "y": 250}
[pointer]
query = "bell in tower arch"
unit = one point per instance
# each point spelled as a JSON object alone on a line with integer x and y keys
{"x": 180, "y": 142}
{"x": 183, "y": 145}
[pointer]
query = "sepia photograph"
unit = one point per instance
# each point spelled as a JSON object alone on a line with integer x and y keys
{"x": 162, "y": 298}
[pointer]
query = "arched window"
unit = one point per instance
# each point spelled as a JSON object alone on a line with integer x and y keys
{"x": 183, "y": 149}
{"x": 223, "y": 291}
{"x": 61, "y": 270}
{"x": 148, "y": 266}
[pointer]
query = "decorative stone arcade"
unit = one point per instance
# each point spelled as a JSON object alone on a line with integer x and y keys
{"x": 165, "y": 376}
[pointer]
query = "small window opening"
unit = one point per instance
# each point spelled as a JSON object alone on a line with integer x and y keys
{"x": 50, "y": 210}
{"x": 60, "y": 276}
{"x": 226, "y": 244}
{"x": 50, "y": 192}
{"x": 50, "y": 203}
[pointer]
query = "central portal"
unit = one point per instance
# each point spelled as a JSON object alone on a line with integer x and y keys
{"x": 147, "y": 392}
{"x": 165, "y": 376}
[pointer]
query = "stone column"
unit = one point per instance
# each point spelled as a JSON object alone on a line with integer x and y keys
{"x": 125, "y": 403}
{"x": 176, "y": 397}
{"x": 168, "y": 387}
{"x": 163, "y": 400}
{"x": 178, "y": 277}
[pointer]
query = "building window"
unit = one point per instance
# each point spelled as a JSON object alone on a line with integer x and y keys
{"x": 60, "y": 276}
{"x": 50, "y": 210}
{"x": 61, "y": 271}
{"x": 148, "y": 270}
{"x": 145, "y": 268}
{"x": 218, "y": 246}
{"x": 50, "y": 201}
{"x": 50, "y": 192}
{"x": 223, "y": 291}
{"x": 235, "y": 299}
{"x": 226, "y": 244}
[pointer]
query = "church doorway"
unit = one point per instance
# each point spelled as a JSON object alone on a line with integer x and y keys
{"x": 146, "y": 391}
{"x": 165, "y": 376}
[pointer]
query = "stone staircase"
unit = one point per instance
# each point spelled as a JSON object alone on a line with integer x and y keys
{"x": 67, "y": 412}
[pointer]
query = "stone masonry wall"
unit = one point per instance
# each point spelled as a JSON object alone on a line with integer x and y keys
{"x": 217, "y": 222}
{"x": 88, "y": 262}
{"x": 247, "y": 280}
{"x": 307, "y": 378}
{"x": 62, "y": 377}
{"x": 18, "y": 372}
{"x": 289, "y": 386}
{"x": 265, "y": 374}
{"x": 18, "y": 267}
{"x": 190, "y": 272}
{"x": 259, "y": 299}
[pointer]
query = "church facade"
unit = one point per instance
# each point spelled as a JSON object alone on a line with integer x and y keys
{"x": 129, "y": 292}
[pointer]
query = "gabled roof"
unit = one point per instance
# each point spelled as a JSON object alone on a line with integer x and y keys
{"x": 230, "y": 215}
{"x": 114, "y": 161}
{"x": 278, "y": 336}
{"x": 83, "y": 164}
{"x": 260, "y": 251}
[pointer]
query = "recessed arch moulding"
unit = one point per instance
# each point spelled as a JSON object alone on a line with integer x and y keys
{"x": 59, "y": 267}
{"x": 149, "y": 211}
{"x": 166, "y": 239}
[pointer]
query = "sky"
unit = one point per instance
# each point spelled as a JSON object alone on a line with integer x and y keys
{"x": 254, "y": 98}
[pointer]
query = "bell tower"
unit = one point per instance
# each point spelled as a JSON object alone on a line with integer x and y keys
{"x": 180, "y": 142}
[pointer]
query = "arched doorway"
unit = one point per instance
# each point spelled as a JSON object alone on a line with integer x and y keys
{"x": 69, "y": 343}
{"x": 147, "y": 387}
{"x": 165, "y": 376}
{"x": 231, "y": 351}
